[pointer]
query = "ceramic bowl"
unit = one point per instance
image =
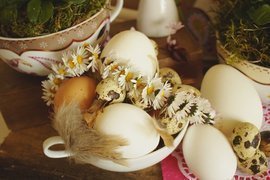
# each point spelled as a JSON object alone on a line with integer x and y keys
{"x": 34, "y": 55}
{"x": 259, "y": 76}
{"x": 133, "y": 164}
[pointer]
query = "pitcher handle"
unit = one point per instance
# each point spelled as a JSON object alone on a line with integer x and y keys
{"x": 116, "y": 10}
{"x": 51, "y": 141}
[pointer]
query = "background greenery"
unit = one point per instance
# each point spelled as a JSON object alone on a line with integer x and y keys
{"x": 244, "y": 29}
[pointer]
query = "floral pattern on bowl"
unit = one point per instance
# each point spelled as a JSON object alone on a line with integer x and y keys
{"x": 34, "y": 55}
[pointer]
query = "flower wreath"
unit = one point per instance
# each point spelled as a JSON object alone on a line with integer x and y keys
{"x": 170, "y": 108}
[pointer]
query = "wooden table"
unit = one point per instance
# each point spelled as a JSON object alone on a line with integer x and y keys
{"x": 21, "y": 154}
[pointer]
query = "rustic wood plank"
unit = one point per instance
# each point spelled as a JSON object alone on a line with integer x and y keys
{"x": 22, "y": 153}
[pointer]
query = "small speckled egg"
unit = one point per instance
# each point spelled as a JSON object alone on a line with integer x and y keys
{"x": 254, "y": 165}
{"x": 109, "y": 90}
{"x": 170, "y": 75}
{"x": 245, "y": 140}
{"x": 185, "y": 87}
{"x": 172, "y": 125}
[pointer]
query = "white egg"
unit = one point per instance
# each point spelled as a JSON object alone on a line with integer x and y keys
{"x": 133, "y": 124}
{"x": 232, "y": 95}
{"x": 208, "y": 153}
{"x": 133, "y": 48}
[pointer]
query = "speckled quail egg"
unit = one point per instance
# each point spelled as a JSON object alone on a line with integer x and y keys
{"x": 254, "y": 165}
{"x": 170, "y": 75}
{"x": 172, "y": 125}
{"x": 265, "y": 143}
{"x": 109, "y": 90}
{"x": 245, "y": 140}
{"x": 185, "y": 87}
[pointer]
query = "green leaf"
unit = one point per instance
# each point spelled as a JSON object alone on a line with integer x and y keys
{"x": 8, "y": 14}
{"x": 46, "y": 12}
{"x": 75, "y": 1}
{"x": 261, "y": 15}
{"x": 33, "y": 10}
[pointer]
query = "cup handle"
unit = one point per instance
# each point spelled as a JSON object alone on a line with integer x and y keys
{"x": 51, "y": 141}
{"x": 117, "y": 9}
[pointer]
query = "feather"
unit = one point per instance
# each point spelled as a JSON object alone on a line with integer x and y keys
{"x": 85, "y": 143}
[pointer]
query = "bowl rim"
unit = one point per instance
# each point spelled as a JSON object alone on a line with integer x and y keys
{"x": 58, "y": 32}
{"x": 133, "y": 164}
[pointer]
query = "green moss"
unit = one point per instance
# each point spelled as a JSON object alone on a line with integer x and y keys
{"x": 244, "y": 29}
{"x": 65, "y": 14}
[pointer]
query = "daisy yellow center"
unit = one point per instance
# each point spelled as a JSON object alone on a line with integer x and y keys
{"x": 79, "y": 59}
{"x": 114, "y": 67}
{"x": 129, "y": 76}
{"x": 150, "y": 90}
{"x": 140, "y": 84}
{"x": 71, "y": 64}
{"x": 95, "y": 55}
{"x": 85, "y": 45}
{"x": 57, "y": 81}
{"x": 61, "y": 71}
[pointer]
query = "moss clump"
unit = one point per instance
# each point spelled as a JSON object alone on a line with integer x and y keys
{"x": 244, "y": 29}
{"x": 30, "y": 18}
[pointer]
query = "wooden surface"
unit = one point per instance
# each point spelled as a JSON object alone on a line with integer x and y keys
{"x": 21, "y": 154}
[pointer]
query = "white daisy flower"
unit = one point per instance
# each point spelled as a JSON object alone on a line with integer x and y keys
{"x": 185, "y": 111}
{"x": 55, "y": 81}
{"x": 162, "y": 96}
{"x": 138, "y": 85}
{"x": 48, "y": 92}
{"x": 116, "y": 72}
{"x": 148, "y": 93}
{"x": 60, "y": 70}
{"x": 125, "y": 80}
{"x": 180, "y": 98}
{"x": 94, "y": 58}
{"x": 206, "y": 113}
{"x": 174, "y": 27}
{"x": 70, "y": 66}
{"x": 196, "y": 119}
{"x": 79, "y": 58}
{"x": 108, "y": 69}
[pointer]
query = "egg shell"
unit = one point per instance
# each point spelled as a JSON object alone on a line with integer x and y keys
{"x": 132, "y": 123}
{"x": 170, "y": 75}
{"x": 245, "y": 140}
{"x": 233, "y": 96}
{"x": 133, "y": 48}
{"x": 208, "y": 153}
{"x": 258, "y": 164}
{"x": 109, "y": 90}
{"x": 78, "y": 89}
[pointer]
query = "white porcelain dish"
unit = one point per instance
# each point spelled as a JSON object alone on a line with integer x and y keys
{"x": 133, "y": 164}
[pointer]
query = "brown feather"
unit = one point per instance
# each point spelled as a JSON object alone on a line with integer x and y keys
{"x": 84, "y": 142}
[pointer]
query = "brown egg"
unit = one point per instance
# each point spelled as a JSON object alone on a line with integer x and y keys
{"x": 77, "y": 89}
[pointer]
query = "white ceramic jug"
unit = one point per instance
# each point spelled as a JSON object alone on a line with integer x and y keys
{"x": 156, "y": 16}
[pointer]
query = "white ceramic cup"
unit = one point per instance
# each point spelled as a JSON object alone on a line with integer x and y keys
{"x": 133, "y": 164}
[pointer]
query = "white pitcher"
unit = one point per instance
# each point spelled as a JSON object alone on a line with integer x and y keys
{"x": 156, "y": 16}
